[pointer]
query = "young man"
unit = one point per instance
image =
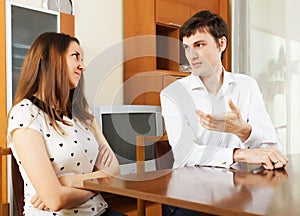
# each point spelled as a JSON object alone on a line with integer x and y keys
{"x": 213, "y": 117}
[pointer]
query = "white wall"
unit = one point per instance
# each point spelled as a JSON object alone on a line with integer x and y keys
{"x": 33, "y": 3}
{"x": 99, "y": 28}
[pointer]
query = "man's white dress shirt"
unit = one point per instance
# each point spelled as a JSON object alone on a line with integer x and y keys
{"x": 194, "y": 145}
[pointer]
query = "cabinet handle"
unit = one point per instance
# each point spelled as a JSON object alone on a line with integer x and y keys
{"x": 175, "y": 25}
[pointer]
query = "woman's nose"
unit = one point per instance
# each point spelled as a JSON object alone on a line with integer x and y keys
{"x": 82, "y": 66}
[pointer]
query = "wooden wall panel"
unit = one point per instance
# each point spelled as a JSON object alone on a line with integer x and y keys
{"x": 3, "y": 92}
{"x": 139, "y": 46}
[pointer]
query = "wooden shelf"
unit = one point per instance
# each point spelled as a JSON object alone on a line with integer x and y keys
{"x": 174, "y": 73}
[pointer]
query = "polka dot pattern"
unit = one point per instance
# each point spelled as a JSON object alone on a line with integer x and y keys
{"x": 73, "y": 153}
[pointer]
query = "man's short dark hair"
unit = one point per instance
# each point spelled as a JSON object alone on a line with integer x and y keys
{"x": 205, "y": 21}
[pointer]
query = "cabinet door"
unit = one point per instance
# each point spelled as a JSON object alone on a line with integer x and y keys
{"x": 26, "y": 24}
{"x": 67, "y": 23}
{"x": 198, "y": 5}
{"x": 172, "y": 12}
{"x": 143, "y": 88}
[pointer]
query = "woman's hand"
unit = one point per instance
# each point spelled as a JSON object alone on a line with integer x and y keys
{"x": 104, "y": 158}
{"x": 38, "y": 203}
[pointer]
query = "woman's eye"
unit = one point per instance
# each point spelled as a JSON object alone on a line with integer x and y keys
{"x": 75, "y": 55}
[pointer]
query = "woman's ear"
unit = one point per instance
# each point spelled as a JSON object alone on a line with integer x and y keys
{"x": 222, "y": 43}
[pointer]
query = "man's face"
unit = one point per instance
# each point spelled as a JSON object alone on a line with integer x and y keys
{"x": 203, "y": 53}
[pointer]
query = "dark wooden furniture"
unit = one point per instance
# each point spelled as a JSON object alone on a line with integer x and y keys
{"x": 4, "y": 206}
{"x": 162, "y": 151}
{"x": 162, "y": 154}
{"x": 17, "y": 182}
{"x": 214, "y": 190}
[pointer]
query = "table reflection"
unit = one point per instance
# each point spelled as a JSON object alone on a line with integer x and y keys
{"x": 250, "y": 192}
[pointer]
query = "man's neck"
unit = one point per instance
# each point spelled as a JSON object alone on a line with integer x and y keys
{"x": 214, "y": 82}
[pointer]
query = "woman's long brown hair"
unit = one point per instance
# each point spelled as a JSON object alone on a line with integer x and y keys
{"x": 44, "y": 73}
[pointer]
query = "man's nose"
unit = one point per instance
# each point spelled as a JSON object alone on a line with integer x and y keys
{"x": 192, "y": 53}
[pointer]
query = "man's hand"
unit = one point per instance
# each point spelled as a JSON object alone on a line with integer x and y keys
{"x": 268, "y": 178}
{"x": 269, "y": 158}
{"x": 229, "y": 122}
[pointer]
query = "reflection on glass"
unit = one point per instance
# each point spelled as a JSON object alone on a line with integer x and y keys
{"x": 27, "y": 24}
{"x": 267, "y": 47}
{"x": 268, "y": 67}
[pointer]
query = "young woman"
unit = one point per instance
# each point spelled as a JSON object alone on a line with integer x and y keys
{"x": 53, "y": 135}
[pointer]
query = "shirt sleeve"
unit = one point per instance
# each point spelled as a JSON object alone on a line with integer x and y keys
{"x": 22, "y": 115}
{"x": 263, "y": 133}
{"x": 182, "y": 127}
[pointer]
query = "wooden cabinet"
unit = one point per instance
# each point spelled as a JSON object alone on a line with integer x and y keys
{"x": 172, "y": 12}
{"x": 2, "y": 74}
{"x": 152, "y": 48}
{"x": 3, "y": 184}
{"x": 198, "y": 5}
{"x": 67, "y": 24}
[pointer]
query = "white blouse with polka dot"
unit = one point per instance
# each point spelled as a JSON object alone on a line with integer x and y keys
{"x": 73, "y": 153}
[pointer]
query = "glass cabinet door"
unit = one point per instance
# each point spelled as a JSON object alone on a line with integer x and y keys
{"x": 24, "y": 25}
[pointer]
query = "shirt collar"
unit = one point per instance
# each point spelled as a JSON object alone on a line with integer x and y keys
{"x": 45, "y": 108}
{"x": 196, "y": 83}
{"x": 227, "y": 78}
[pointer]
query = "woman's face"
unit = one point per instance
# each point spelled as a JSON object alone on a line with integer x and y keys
{"x": 74, "y": 63}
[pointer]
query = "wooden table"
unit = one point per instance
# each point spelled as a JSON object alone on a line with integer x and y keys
{"x": 213, "y": 190}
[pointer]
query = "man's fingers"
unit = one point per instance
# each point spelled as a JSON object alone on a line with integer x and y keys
{"x": 201, "y": 114}
{"x": 278, "y": 165}
{"x": 233, "y": 107}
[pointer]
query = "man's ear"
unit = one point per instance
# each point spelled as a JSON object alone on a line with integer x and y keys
{"x": 222, "y": 43}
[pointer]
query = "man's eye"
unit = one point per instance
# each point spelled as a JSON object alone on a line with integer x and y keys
{"x": 199, "y": 45}
{"x": 185, "y": 47}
